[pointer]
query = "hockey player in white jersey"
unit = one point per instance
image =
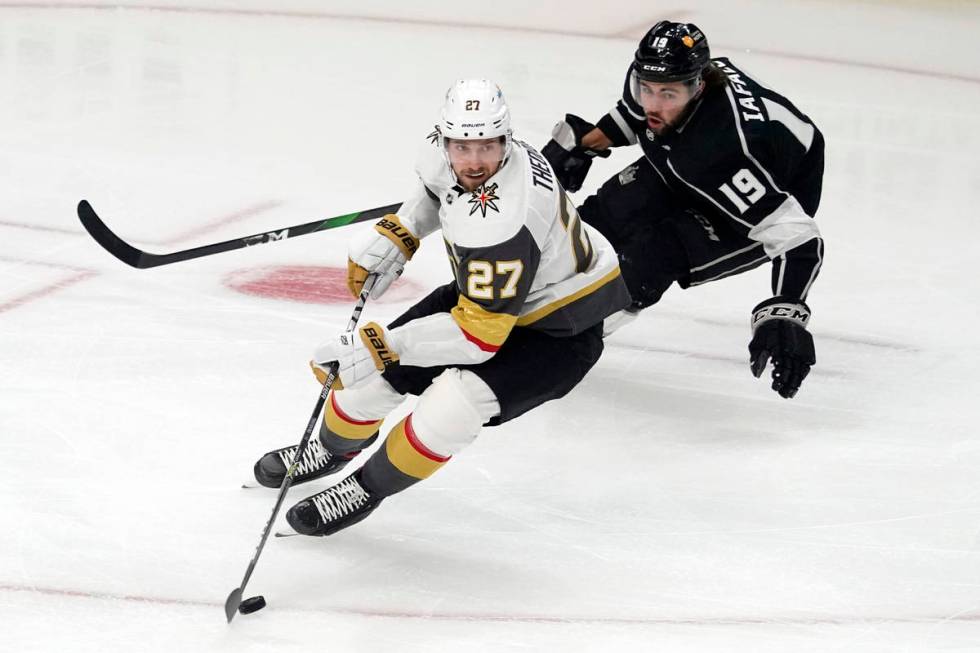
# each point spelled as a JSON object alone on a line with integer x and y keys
{"x": 520, "y": 324}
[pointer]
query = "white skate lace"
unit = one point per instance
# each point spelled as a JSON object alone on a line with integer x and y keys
{"x": 314, "y": 458}
{"x": 340, "y": 500}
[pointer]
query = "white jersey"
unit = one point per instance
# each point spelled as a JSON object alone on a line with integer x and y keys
{"x": 520, "y": 254}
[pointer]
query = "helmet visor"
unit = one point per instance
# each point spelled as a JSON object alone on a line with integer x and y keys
{"x": 474, "y": 154}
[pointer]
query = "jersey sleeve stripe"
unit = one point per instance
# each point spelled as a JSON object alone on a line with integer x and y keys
{"x": 628, "y": 132}
{"x": 802, "y": 130}
{"x": 485, "y": 346}
{"x": 815, "y": 271}
{"x": 745, "y": 145}
{"x": 735, "y": 270}
{"x": 486, "y": 329}
{"x": 718, "y": 260}
{"x": 780, "y": 261}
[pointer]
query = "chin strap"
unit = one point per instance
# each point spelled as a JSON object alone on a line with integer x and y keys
{"x": 701, "y": 86}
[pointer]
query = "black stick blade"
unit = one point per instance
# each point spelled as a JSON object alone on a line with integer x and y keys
{"x": 142, "y": 260}
{"x": 110, "y": 242}
{"x": 232, "y": 602}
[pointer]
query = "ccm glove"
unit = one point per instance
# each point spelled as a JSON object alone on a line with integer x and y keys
{"x": 570, "y": 160}
{"x": 384, "y": 251}
{"x": 779, "y": 332}
{"x": 359, "y": 356}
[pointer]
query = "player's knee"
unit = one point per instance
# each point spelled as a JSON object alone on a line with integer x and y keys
{"x": 452, "y": 410}
{"x": 354, "y": 415}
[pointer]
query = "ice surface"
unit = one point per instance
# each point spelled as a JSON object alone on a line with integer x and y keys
{"x": 672, "y": 502}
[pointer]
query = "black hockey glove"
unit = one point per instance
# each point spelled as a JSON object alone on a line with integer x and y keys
{"x": 566, "y": 155}
{"x": 779, "y": 331}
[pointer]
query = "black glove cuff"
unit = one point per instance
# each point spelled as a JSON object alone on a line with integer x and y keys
{"x": 780, "y": 308}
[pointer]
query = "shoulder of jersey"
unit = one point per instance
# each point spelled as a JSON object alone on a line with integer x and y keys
{"x": 743, "y": 97}
{"x": 431, "y": 165}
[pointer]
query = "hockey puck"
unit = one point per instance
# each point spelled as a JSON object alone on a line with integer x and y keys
{"x": 254, "y": 604}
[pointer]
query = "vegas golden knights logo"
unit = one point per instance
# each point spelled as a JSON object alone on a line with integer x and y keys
{"x": 484, "y": 198}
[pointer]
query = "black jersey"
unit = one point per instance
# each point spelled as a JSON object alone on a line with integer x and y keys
{"x": 746, "y": 159}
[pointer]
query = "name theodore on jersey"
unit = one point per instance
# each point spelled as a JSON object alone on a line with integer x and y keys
{"x": 540, "y": 170}
{"x": 746, "y": 100}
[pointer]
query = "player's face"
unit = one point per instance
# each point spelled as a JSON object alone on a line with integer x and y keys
{"x": 663, "y": 104}
{"x": 475, "y": 161}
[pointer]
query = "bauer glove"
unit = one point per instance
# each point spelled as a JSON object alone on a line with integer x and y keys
{"x": 569, "y": 159}
{"x": 779, "y": 332}
{"x": 359, "y": 356}
{"x": 384, "y": 251}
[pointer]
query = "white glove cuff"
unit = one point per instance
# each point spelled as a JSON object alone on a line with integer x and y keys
{"x": 780, "y": 310}
{"x": 564, "y": 135}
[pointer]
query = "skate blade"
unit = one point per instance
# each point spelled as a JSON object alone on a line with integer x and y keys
{"x": 285, "y": 533}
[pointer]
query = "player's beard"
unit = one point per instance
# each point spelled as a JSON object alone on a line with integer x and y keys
{"x": 471, "y": 182}
{"x": 668, "y": 126}
{"x": 657, "y": 123}
{"x": 485, "y": 172}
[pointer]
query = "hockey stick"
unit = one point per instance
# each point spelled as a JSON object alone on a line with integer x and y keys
{"x": 234, "y": 599}
{"x": 140, "y": 259}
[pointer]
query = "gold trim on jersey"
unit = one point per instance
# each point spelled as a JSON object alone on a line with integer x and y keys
{"x": 408, "y": 454}
{"x": 478, "y": 323}
{"x": 548, "y": 309}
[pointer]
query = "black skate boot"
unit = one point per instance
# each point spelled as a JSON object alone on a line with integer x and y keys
{"x": 334, "y": 509}
{"x": 317, "y": 462}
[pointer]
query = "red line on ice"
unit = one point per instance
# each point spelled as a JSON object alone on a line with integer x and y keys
{"x": 46, "y": 290}
{"x": 782, "y": 619}
{"x": 200, "y": 230}
{"x": 203, "y": 229}
{"x": 46, "y": 264}
{"x": 34, "y": 227}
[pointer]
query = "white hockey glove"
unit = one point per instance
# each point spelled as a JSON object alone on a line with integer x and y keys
{"x": 360, "y": 356}
{"x": 384, "y": 251}
{"x": 568, "y": 157}
{"x": 779, "y": 332}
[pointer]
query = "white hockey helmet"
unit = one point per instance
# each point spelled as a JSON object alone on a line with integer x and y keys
{"x": 475, "y": 109}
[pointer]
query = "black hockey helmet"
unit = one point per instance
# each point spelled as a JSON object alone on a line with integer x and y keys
{"x": 671, "y": 52}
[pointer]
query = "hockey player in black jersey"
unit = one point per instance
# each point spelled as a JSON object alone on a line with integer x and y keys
{"x": 730, "y": 178}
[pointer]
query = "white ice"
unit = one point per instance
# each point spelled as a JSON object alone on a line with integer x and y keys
{"x": 672, "y": 502}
